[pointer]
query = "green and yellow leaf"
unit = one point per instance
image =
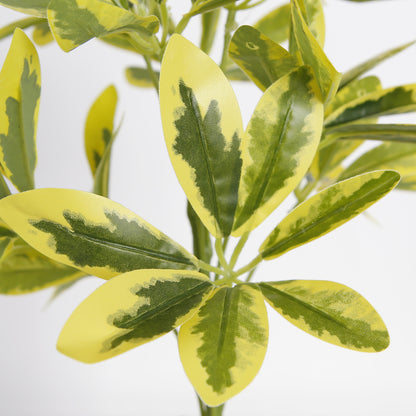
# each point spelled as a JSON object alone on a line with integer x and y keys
{"x": 99, "y": 136}
{"x": 397, "y": 156}
{"x": 394, "y": 100}
{"x": 222, "y": 347}
{"x": 278, "y": 146}
{"x": 203, "y": 6}
{"x": 19, "y": 106}
{"x": 32, "y": 7}
{"x": 276, "y": 24}
{"x": 311, "y": 53}
{"x": 364, "y": 67}
{"x": 327, "y": 210}
{"x": 42, "y": 35}
{"x": 74, "y": 22}
{"x": 91, "y": 233}
{"x": 329, "y": 311}
{"x": 202, "y": 126}
{"x": 140, "y": 77}
{"x": 263, "y": 60}
{"x": 130, "y": 310}
{"x": 25, "y": 270}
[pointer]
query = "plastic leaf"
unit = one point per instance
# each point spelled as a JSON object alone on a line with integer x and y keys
{"x": 42, "y": 35}
{"x": 329, "y": 311}
{"x": 19, "y": 106}
{"x": 32, "y": 7}
{"x": 202, "y": 125}
{"x": 90, "y": 232}
{"x": 74, "y": 22}
{"x": 327, "y": 210}
{"x": 130, "y": 310}
{"x": 263, "y": 60}
{"x": 278, "y": 146}
{"x": 223, "y": 346}
{"x": 312, "y": 54}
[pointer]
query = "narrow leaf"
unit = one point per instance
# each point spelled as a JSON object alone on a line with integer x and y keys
{"x": 74, "y": 22}
{"x": 32, "y": 7}
{"x": 90, "y": 232}
{"x": 25, "y": 270}
{"x": 328, "y": 210}
{"x": 19, "y": 106}
{"x": 394, "y": 100}
{"x": 329, "y": 311}
{"x": 312, "y": 54}
{"x": 263, "y": 60}
{"x": 278, "y": 146}
{"x": 276, "y": 24}
{"x": 397, "y": 156}
{"x": 223, "y": 346}
{"x": 130, "y": 310}
{"x": 202, "y": 125}
{"x": 362, "y": 68}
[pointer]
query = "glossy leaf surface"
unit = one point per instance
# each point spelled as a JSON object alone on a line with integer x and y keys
{"x": 24, "y": 270}
{"x": 130, "y": 310}
{"x": 222, "y": 347}
{"x": 278, "y": 146}
{"x": 394, "y": 100}
{"x": 312, "y": 54}
{"x": 398, "y": 156}
{"x": 74, "y": 22}
{"x": 263, "y": 60}
{"x": 90, "y": 232}
{"x": 202, "y": 126}
{"x": 328, "y": 210}
{"x": 329, "y": 311}
{"x": 32, "y": 7}
{"x": 19, "y": 106}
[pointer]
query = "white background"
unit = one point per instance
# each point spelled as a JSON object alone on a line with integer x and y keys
{"x": 300, "y": 375}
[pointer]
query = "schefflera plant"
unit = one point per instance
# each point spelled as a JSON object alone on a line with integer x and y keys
{"x": 234, "y": 179}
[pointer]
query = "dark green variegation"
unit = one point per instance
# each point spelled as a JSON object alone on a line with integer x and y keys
{"x": 263, "y": 60}
{"x": 328, "y": 210}
{"x": 329, "y": 311}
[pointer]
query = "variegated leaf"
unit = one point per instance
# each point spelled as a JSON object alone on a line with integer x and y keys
{"x": 25, "y": 270}
{"x": 329, "y": 311}
{"x": 311, "y": 53}
{"x": 263, "y": 60}
{"x": 276, "y": 24}
{"x": 278, "y": 146}
{"x": 91, "y": 233}
{"x": 362, "y": 68}
{"x": 19, "y": 106}
{"x": 42, "y": 34}
{"x": 397, "y": 156}
{"x": 222, "y": 347}
{"x": 130, "y": 310}
{"x": 203, "y": 6}
{"x": 394, "y": 100}
{"x": 328, "y": 210}
{"x": 74, "y": 22}
{"x": 140, "y": 77}
{"x": 99, "y": 137}
{"x": 202, "y": 125}
{"x": 32, "y": 7}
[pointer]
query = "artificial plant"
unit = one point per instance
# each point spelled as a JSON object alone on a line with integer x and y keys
{"x": 308, "y": 120}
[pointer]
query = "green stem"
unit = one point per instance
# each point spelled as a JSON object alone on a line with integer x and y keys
{"x": 229, "y": 27}
{"x": 220, "y": 253}
{"x": 180, "y": 27}
{"x": 22, "y": 24}
{"x": 207, "y": 267}
{"x": 164, "y": 14}
{"x": 152, "y": 73}
{"x": 214, "y": 411}
{"x": 238, "y": 248}
{"x": 249, "y": 266}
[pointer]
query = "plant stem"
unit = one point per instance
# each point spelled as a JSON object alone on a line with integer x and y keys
{"x": 220, "y": 253}
{"x": 249, "y": 266}
{"x": 180, "y": 27}
{"x": 207, "y": 267}
{"x": 22, "y": 24}
{"x": 229, "y": 27}
{"x": 238, "y": 248}
{"x": 152, "y": 74}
